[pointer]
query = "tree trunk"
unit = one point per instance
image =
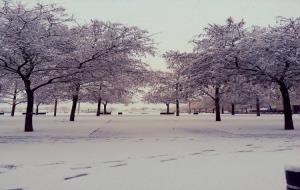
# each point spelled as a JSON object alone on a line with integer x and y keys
{"x": 217, "y": 104}
{"x": 29, "y": 110}
{"x": 232, "y": 109}
{"x": 14, "y": 103}
{"x": 257, "y": 107}
{"x": 13, "y": 109}
{"x": 189, "y": 107}
{"x": 55, "y": 107}
{"x": 104, "y": 108}
{"x": 168, "y": 108}
{"x": 99, "y": 107}
{"x": 222, "y": 110}
{"x": 246, "y": 110}
{"x": 73, "y": 110}
{"x": 37, "y": 109}
{"x": 74, "y": 103}
{"x": 177, "y": 107}
{"x": 287, "y": 110}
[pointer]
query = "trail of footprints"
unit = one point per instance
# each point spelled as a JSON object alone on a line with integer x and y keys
{"x": 162, "y": 158}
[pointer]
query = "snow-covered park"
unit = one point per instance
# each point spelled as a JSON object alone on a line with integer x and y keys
{"x": 149, "y": 95}
{"x": 147, "y": 152}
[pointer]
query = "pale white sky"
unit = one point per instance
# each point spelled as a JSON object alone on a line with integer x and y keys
{"x": 177, "y": 21}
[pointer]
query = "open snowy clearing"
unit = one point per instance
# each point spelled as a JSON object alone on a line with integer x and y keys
{"x": 147, "y": 153}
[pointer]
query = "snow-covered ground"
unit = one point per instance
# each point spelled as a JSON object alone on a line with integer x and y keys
{"x": 242, "y": 152}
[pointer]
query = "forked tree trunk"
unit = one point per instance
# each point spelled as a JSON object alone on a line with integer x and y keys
{"x": 232, "y": 109}
{"x": 55, "y": 107}
{"x": 99, "y": 107}
{"x": 168, "y": 108}
{"x": 287, "y": 110}
{"x": 217, "y": 104}
{"x": 74, "y": 103}
{"x": 177, "y": 107}
{"x": 257, "y": 107}
{"x": 29, "y": 110}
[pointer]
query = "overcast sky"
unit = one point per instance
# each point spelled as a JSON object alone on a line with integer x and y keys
{"x": 176, "y": 22}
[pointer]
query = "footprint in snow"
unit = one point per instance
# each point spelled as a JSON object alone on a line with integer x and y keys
{"x": 113, "y": 161}
{"x": 75, "y": 176}
{"x": 241, "y": 151}
{"x": 52, "y": 164}
{"x": 209, "y": 150}
{"x": 280, "y": 150}
{"x": 162, "y": 155}
{"x": 156, "y": 156}
{"x": 150, "y": 157}
{"x": 118, "y": 165}
{"x": 16, "y": 189}
{"x": 81, "y": 168}
{"x": 168, "y": 160}
{"x": 196, "y": 153}
{"x": 6, "y": 168}
{"x": 9, "y": 166}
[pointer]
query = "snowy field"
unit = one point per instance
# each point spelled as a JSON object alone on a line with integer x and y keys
{"x": 147, "y": 153}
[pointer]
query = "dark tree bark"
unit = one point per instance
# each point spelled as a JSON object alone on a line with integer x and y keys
{"x": 257, "y": 107}
{"x": 13, "y": 109}
{"x": 55, "y": 107}
{"x": 104, "y": 108}
{"x": 37, "y": 109}
{"x": 222, "y": 110}
{"x": 14, "y": 101}
{"x": 168, "y": 108}
{"x": 74, "y": 103}
{"x": 29, "y": 109}
{"x": 99, "y": 107}
{"x": 232, "y": 109}
{"x": 73, "y": 109}
{"x": 287, "y": 110}
{"x": 177, "y": 107}
{"x": 217, "y": 104}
